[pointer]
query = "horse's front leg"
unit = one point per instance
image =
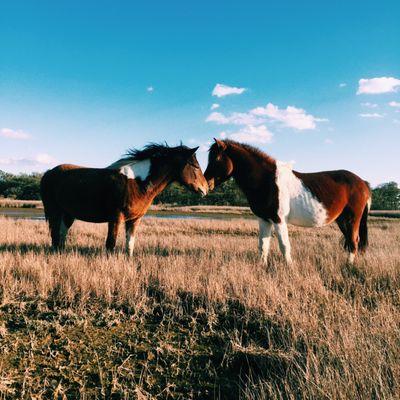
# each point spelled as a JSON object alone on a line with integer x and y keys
{"x": 112, "y": 234}
{"x": 283, "y": 239}
{"x": 264, "y": 239}
{"x": 130, "y": 230}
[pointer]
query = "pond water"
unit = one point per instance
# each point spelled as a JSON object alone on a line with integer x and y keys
{"x": 38, "y": 215}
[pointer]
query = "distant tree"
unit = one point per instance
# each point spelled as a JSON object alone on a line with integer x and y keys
{"x": 226, "y": 194}
{"x": 21, "y": 187}
{"x": 386, "y": 197}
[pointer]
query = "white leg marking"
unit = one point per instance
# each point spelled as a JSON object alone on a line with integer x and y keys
{"x": 264, "y": 239}
{"x": 130, "y": 241}
{"x": 284, "y": 243}
{"x": 350, "y": 258}
{"x": 63, "y": 233}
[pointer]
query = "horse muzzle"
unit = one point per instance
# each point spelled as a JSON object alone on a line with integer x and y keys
{"x": 203, "y": 190}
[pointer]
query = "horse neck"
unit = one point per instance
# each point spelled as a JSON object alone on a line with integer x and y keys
{"x": 157, "y": 182}
{"x": 248, "y": 169}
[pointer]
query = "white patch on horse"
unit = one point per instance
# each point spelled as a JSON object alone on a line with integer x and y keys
{"x": 130, "y": 241}
{"x": 351, "y": 257}
{"x": 297, "y": 205}
{"x": 369, "y": 202}
{"x": 133, "y": 170}
{"x": 264, "y": 239}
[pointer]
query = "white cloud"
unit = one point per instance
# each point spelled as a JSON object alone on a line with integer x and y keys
{"x": 38, "y": 161}
{"x": 378, "y": 85}
{"x": 251, "y": 134}
{"x": 394, "y": 104}
{"x": 13, "y": 134}
{"x": 214, "y": 106}
{"x": 369, "y": 105}
{"x": 221, "y": 90}
{"x": 343, "y": 84}
{"x": 234, "y": 119}
{"x": 371, "y": 115}
{"x": 328, "y": 141}
{"x": 291, "y": 117}
{"x": 150, "y": 89}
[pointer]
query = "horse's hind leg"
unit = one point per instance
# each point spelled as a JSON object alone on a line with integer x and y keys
{"x": 349, "y": 224}
{"x": 55, "y": 225}
{"x": 65, "y": 224}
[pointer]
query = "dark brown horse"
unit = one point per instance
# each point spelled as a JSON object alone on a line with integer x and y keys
{"x": 278, "y": 195}
{"x": 120, "y": 193}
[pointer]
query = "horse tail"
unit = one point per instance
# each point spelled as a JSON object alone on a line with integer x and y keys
{"x": 45, "y": 184}
{"x": 363, "y": 243}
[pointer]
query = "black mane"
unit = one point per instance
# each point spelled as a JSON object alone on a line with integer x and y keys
{"x": 154, "y": 150}
{"x": 251, "y": 149}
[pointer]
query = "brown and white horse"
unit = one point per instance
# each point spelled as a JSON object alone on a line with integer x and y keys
{"x": 278, "y": 195}
{"x": 119, "y": 193}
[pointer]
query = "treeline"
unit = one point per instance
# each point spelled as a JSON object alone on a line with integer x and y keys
{"x": 26, "y": 187}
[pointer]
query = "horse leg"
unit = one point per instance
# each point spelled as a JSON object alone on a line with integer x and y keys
{"x": 354, "y": 237}
{"x": 283, "y": 239}
{"x": 264, "y": 239}
{"x": 65, "y": 224}
{"x": 113, "y": 227}
{"x": 55, "y": 225}
{"x": 349, "y": 226}
{"x": 130, "y": 229}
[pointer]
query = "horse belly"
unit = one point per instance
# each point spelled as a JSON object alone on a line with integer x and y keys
{"x": 307, "y": 211}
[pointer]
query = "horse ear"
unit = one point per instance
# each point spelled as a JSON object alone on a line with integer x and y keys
{"x": 192, "y": 151}
{"x": 220, "y": 144}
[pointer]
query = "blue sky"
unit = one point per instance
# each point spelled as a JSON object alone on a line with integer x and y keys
{"x": 75, "y": 81}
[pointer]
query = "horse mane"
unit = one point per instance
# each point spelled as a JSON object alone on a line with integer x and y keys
{"x": 257, "y": 153}
{"x": 150, "y": 151}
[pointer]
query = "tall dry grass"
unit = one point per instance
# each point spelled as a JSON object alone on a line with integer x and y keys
{"x": 195, "y": 314}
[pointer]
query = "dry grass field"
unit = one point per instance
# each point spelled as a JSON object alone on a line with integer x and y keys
{"x": 195, "y": 315}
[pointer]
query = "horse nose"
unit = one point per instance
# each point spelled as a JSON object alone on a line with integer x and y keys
{"x": 203, "y": 190}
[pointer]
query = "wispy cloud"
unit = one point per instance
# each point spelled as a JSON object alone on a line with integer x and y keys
{"x": 150, "y": 89}
{"x": 328, "y": 141}
{"x": 221, "y": 90}
{"x": 214, "y": 106}
{"x": 251, "y": 134}
{"x": 371, "y": 115}
{"x": 14, "y": 134}
{"x": 378, "y": 85}
{"x": 235, "y": 118}
{"x": 395, "y": 104}
{"x": 290, "y": 116}
{"x": 342, "y": 85}
{"x": 39, "y": 161}
{"x": 369, "y": 105}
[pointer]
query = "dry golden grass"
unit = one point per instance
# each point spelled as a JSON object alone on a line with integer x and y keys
{"x": 195, "y": 315}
